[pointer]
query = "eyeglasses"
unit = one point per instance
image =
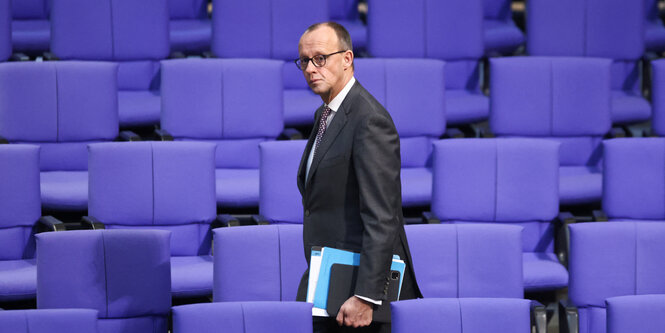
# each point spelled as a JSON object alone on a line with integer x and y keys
{"x": 317, "y": 60}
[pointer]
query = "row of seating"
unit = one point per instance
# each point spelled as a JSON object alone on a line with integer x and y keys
{"x": 136, "y": 36}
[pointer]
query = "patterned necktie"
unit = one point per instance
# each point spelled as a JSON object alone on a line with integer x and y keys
{"x": 323, "y": 124}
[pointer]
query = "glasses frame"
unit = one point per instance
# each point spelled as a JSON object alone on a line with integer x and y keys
{"x": 306, "y": 61}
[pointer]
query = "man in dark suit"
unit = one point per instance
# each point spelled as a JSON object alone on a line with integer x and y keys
{"x": 349, "y": 178}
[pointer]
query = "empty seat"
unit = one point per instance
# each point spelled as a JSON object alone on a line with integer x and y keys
{"x": 461, "y": 315}
{"x": 31, "y": 30}
{"x": 123, "y": 274}
{"x": 638, "y": 313}
{"x": 345, "y": 12}
{"x": 133, "y": 33}
{"x": 613, "y": 259}
{"x": 258, "y": 263}
{"x": 501, "y": 34}
{"x": 596, "y": 28}
{"x": 190, "y": 29}
{"x": 563, "y": 99}
{"x": 243, "y": 317}
{"x": 160, "y": 185}
{"x": 654, "y": 30}
{"x": 633, "y": 179}
{"x": 5, "y": 29}
{"x": 19, "y": 211}
{"x": 215, "y": 100}
{"x": 61, "y": 106}
{"x": 270, "y": 29}
{"x": 481, "y": 260}
{"x": 504, "y": 181}
{"x": 46, "y": 321}
{"x": 448, "y": 30}
{"x": 412, "y": 90}
{"x": 658, "y": 97}
{"x": 279, "y": 198}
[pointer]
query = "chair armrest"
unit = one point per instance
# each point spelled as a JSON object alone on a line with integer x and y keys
{"x": 563, "y": 236}
{"x": 225, "y": 220}
{"x": 616, "y": 132}
{"x": 48, "y": 56}
{"x": 91, "y": 223}
{"x": 430, "y": 218}
{"x": 177, "y": 55}
{"x": 538, "y": 317}
{"x": 453, "y": 133}
{"x": 208, "y": 55}
{"x": 260, "y": 220}
{"x": 163, "y": 134}
{"x": 3, "y": 140}
{"x": 19, "y": 57}
{"x": 290, "y": 134}
{"x": 50, "y": 223}
{"x": 128, "y": 136}
{"x": 599, "y": 216}
{"x": 568, "y": 317}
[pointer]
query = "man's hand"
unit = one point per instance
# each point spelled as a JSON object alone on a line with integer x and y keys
{"x": 355, "y": 312}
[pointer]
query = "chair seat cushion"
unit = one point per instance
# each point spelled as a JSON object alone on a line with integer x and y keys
{"x": 190, "y": 35}
{"x": 299, "y": 106}
{"x": 502, "y": 36}
{"x": 18, "y": 279}
{"x": 416, "y": 186}
{"x": 542, "y": 271}
{"x": 191, "y": 276}
{"x": 31, "y": 35}
{"x": 464, "y": 107}
{"x": 64, "y": 190}
{"x": 579, "y": 185}
{"x": 655, "y": 36}
{"x": 237, "y": 187}
{"x": 136, "y": 108}
{"x": 629, "y": 107}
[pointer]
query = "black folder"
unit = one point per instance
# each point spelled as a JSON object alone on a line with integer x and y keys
{"x": 343, "y": 284}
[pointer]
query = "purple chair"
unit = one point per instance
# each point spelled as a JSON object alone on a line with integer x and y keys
{"x": 243, "y": 317}
{"x": 658, "y": 96}
{"x": 258, "y": 263}
{"x": 654, "y": 33}
{"x": 215, "y": 100}
{"x": 502, "y": 36}
{"x": 280, "y": 201}
{"x": 596, "y": 28}
{"x": 135, "y": 34}
{"x": 613, "y": 259}
{"x": 345, "y": 12}
{"x": 5, "y": 29}
{"x": 638, "y": 313}
{"x": 160, "y": 185}
{"x": 31, "y": 30}
{"x": 123, "y": 274}
{"x": 61, "y": 106}
{"x": 47, "y": 321}
{"x": 563, "y": 99}
{"x": 447, "y": 30}
{"x": 270, "y": 29}
{"x": 461, "y": 315}
{"x": 504, "y": 181}
{"x": 633, "y": 180}
{"x": 190, "y": 29}
{"x": 467, "y": 260}
{"x": 419, "y": 114}
{"x": 19, "y": 211}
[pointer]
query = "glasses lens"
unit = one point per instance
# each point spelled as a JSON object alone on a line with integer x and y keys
{"x": 319, "y": 60}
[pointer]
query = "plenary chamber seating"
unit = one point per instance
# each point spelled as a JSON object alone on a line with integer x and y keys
{"x": 190, "y": 28}
{"x": 48, "y": 321}
{"x": 31, "y": 28}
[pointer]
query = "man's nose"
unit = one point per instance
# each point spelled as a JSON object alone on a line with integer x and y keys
{"x": 310, "y": 67}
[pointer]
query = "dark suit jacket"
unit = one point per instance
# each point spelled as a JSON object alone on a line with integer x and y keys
{"x": 352, "y": 198}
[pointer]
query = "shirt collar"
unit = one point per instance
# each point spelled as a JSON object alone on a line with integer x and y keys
{"x": 337, "y": 101}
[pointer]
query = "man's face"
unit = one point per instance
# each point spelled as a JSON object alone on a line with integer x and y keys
{"x": 329, "y": 78}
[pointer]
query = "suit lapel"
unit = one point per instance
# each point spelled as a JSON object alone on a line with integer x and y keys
{"x": 303, "y": 160}
{"x": 329, "y": 136}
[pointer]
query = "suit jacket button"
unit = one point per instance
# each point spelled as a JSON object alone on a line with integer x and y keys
{"x": 307, "y": 212}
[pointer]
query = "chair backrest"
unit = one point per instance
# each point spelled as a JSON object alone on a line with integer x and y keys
{"x": 480, "y": 260}
{"x": 5, "y": 29}
{"x": 156, "y": 185}
{"x": 243, "y": 317}
{"x": 633, "y": 180}
{"x": 343, "y": 9}
{"x": 188, "y": 9}
{"x": 30, "y": 9}
{"x": 497, "y": 10}
{"x": 263, "y": 28}
{"x": 60, "y": 105}
{"x": 615, "y": 259}
{"x": 45, "y": 321}
{"x": 279, "y": 198}
{"x": 20, "y": 203}
{"x": 658, "y": 96}
{"x": 567, "y": 99}
{"x": 457, "y": 315}
{"x": 123, "y": 274}
{"x": 512, "y": 181}
{"x": 641, "y": 313}
{"x": 216, "y": 100}
{"x": 413, "y": 91}
{"x": 258, "y": 263}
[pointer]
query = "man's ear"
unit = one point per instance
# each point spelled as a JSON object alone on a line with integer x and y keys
{"x": 348, "y": 59}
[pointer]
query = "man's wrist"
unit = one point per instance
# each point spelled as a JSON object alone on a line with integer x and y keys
{"x": 368, "y": 300}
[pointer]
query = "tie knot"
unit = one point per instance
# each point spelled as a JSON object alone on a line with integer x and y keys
{"x": 326, "y": 113}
